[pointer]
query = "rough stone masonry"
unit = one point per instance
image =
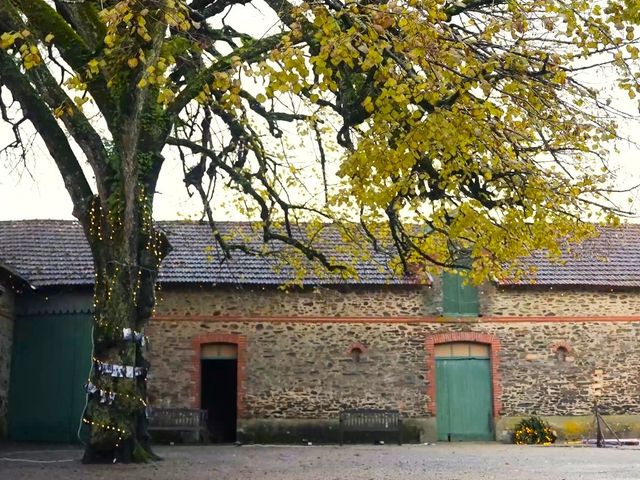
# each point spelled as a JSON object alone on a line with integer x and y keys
{"x": 297, "y": 372}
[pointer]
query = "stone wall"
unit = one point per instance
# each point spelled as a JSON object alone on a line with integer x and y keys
{"x": 548, "y": 302}
{"x": 392, "y": 301}
{"x": 299, "y": 370}
{"x": 298, "y": 367}
{"x": 6, "y": 338}
{"x": 304, "y": 370}
{"x": 381, "y": 301}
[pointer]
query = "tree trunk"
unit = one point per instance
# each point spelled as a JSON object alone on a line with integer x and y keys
{"x": 127, "y": 253}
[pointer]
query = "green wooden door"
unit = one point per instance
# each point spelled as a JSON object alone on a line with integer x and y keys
{"x": 463, "y": 399}
{"x": 458, "y": 298}
{"x": 50, "y": 364}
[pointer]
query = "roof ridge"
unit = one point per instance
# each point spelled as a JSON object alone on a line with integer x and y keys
{"x": 240, "y": 222}
{"x": 34, "y": 220}
{"x": 173, "y": 221}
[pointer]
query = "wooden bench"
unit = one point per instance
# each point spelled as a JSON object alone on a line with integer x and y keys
{"x": 179, "y": 420}
{"x": 370, "y": 420}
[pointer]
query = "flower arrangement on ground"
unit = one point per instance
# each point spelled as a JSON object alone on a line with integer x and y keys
{"x": 533, "y": 431}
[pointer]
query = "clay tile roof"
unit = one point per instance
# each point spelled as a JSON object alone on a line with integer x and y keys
{"x": 609, "y": 260}
{"x": 55, "y": 252}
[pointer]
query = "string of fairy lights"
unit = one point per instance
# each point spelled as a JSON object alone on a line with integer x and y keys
{"x": 110, "y": 395}
{"x": 111, "y": 272}
{"x": 121, "y": 431}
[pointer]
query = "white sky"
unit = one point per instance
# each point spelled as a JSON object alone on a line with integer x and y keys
{"x": 36, "y": 190}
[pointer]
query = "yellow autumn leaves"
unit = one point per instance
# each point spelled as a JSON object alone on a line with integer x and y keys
{"x": 459, "y": 121}
{"x": 23, "y": 43}
{"x": 455, "y": 122}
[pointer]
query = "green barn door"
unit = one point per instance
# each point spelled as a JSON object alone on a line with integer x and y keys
{"x": 463, "y": 399}
{"x": 51, "y": 362}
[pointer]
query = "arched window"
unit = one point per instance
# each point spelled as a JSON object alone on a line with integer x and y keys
{"x": 562, "y": 351}
{"x": 356, "y": 352}
{"x": 561, "y": 354}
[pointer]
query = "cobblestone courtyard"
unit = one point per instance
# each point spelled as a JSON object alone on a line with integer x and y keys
{"x": 362, "y": 462}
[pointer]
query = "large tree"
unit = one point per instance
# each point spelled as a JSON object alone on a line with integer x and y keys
{"x": 442, "y": 126}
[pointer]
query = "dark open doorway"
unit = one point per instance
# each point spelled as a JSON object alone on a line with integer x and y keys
{"x": 219, "y": 397}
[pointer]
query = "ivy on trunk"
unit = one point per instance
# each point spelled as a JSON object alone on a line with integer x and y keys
{"x": 126, "y": 274}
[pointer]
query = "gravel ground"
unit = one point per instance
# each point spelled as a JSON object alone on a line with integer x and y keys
{"x": 361, "y": 462}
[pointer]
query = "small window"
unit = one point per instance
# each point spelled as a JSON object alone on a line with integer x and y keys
{"x": 561, "y": 354}
{"x": 356, "y": 354}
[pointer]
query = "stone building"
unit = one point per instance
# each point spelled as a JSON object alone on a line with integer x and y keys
{"x": 459, "y": 362}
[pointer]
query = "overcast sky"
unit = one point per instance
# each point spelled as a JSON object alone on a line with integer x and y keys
{"x": 36, "y": 190}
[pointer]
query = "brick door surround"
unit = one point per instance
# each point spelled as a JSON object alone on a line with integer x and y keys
{"x": 476, "y": 337}
{"x": 196, "y": 376}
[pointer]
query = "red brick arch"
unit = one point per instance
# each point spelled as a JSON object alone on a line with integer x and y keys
{"x": 561, "y": 344}
{"x": 241, "y": 342}
{"x": 449, "y": 337}
{"x": 356, "y": 345}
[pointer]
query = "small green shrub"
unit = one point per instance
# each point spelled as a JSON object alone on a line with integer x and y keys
{"x": 533, "y": 431}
